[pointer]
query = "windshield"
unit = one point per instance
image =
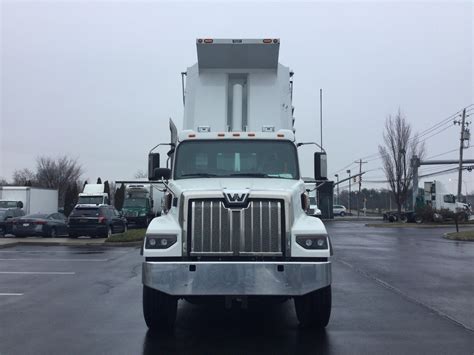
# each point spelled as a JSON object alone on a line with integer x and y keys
{"x": 8, "y": 204}
{"x": 36, "y": 215}
{"x": 90, "y": 200}
{"x": 236, "y": 158}
{"x": 135, "y": 202}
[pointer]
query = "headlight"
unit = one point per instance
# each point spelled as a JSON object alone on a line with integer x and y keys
{"x": 160, "y": 241}
{"x": 312, "y": 241}
{"x": 142, "y": 214}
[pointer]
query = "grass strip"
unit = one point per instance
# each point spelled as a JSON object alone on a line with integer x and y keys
{"x": 132, "y": 235}
{"x": 463, "y": 235}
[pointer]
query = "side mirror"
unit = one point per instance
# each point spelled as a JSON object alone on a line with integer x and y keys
{"x": 153, "y": 164}
{"x": 161, "y": 173}
{"x": 19, "y": 204}
{"x": 320, "y": 166}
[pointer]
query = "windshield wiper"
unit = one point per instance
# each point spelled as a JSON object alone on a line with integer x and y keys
{"x": 199, "y": 175}
{"x": 250, "y": 174}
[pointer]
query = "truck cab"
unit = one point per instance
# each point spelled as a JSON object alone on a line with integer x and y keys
{"x": 8, "y": 210}
{"x": 139, "y": 206}
{"x": 93, "y": 194}
{"x": 234, "y": 224}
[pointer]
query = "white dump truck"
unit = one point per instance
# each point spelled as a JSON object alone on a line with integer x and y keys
{"x": 93, "y": 194}
{"x": 234, "y": 225}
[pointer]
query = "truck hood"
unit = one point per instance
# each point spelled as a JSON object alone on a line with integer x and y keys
{"x": 219, "y": 184}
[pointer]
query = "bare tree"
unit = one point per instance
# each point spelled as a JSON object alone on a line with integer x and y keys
{"x": 57, "y": 173}
{"x": 3, "y": 182}
{"x": 399, "y": 147}
{"x": 140, "y": 174}
{"x": 24, "y": 177}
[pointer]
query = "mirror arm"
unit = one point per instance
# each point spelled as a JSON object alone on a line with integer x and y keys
{"x": 306, "y": 143}
{"x": 156, "y": 146}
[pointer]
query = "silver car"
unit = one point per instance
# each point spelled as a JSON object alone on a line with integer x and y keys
{"x": 339, "y": 210}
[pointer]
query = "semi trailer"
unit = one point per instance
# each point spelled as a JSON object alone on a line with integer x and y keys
{"x": 234, "y": 225}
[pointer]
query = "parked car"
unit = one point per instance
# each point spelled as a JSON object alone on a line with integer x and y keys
{"x": 313, "y": 208}
{"x": 339, "y": 210}
{"x": 40, "y": 224}
{"x": 8, "y": 211}
{"x": 95, "y": 221}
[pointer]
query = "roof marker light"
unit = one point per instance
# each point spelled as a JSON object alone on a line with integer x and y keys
{"x": 200, "y": 40}
{"x": 251, "y": 134}
{"x": 275, "y": 40}
{"x": 208, "y": 40}
{"x": 192, "y": 135}
{"x": 280, "y": 135}
{"x": 236, "y": 134}
{"x": 221, "y": 134}
{"x": 267, "y": 40}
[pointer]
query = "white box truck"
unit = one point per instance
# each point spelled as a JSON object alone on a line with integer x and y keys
{"x": 34, "y": 199}
{"x": 234, "y": 224}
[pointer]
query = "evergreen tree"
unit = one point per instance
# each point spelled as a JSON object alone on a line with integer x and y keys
{"x": 107, "y": 188}
{"x": 119, "y": 197}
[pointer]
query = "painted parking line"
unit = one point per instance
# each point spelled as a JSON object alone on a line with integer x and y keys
{"x": 50, "y": 251}
{"x": 11, "y": 294}
{"x": 36, "y": 273}
{"x": 34, "y": 259}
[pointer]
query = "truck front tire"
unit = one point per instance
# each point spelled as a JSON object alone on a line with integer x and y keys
{"x": 159, "y": 309}
{"x": 314, "y": 309}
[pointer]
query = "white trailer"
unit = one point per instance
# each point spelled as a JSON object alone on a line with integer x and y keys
{"x": 438, "y": 197}
{"x": 34, "y": 199}
{"x": 234, "y": 224}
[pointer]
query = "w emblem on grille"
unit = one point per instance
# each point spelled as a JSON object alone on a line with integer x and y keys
{"x": 236, "y": 198}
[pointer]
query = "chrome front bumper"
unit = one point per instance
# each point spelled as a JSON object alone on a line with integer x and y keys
{"x": 236, "y": 278}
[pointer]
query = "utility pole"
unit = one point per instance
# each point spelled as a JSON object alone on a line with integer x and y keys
{"x": 321, "y": 115}
{"x": 337, "y": 188}
{"x": 461, "y": 148}
{"x": 360, "y": 162}
{"x": 349, "y": 172}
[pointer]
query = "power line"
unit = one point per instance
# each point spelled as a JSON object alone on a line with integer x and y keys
{"x": 441, "y": 126}
{"x": 449, "y": 151}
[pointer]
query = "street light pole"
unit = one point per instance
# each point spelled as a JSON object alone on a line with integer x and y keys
{"x": 337, "y": 188}
{"x": 349, "y": 172}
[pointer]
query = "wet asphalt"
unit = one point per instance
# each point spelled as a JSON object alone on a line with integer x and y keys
{"x": 396, "y": 291}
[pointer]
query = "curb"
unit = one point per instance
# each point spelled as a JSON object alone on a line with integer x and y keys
{"x": 72, "y": 244}
{"x": 410, "y": 225}
{"x": 124, "y": 244}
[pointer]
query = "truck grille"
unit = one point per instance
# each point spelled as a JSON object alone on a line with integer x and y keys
{"x": 216, "y": 230}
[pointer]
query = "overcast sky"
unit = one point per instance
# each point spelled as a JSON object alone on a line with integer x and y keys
{"x": 99, "y": 80}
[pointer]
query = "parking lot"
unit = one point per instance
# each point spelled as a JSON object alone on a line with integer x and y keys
{"x": 395, "y": 290}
